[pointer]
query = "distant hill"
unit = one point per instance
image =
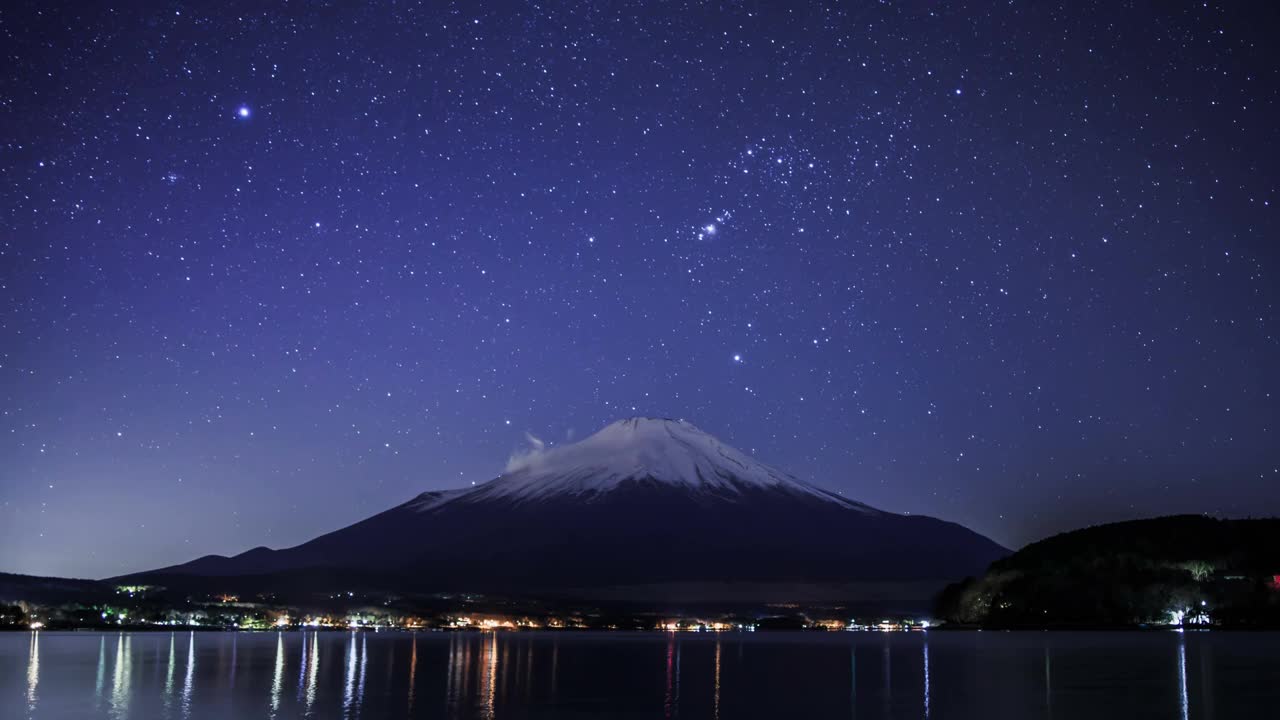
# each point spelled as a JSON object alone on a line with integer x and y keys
{"x": 1188, "y": 569}
{"x": 30, "y": 588}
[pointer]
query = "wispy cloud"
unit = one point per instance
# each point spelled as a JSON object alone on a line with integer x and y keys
{"x": 524, "y": 457}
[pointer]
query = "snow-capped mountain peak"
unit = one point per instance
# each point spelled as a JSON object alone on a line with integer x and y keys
{"x": 658, "y": 450}
{"x": 614, "y": 510}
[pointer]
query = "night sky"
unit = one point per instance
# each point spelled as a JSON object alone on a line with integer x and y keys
{"x": 265, "y": 271}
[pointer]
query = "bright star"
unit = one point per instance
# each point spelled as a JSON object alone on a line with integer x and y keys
{"x": 737, "y": 358}
{"x": 243, "y": 111}
{"x": 710, "y": 229}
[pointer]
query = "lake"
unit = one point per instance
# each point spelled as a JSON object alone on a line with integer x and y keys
{"x": 367, "y": 674}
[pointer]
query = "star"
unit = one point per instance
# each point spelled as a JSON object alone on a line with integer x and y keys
{"x": 243, "y": 111}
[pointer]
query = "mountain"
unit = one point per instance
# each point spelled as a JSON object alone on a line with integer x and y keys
{"x": 644, "y": 501}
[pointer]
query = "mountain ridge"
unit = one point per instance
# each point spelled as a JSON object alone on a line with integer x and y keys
{"x": 644, "y": 500}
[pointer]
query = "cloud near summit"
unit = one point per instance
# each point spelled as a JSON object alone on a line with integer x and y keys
{"x": 524, "y": 457}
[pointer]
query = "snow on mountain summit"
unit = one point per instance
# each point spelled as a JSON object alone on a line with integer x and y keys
{"x": 660, "y": 450}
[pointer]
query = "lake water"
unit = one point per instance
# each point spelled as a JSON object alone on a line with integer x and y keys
{"x": 943, "y": 675}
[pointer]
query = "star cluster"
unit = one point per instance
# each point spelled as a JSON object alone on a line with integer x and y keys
{"x": 266, "y": 269}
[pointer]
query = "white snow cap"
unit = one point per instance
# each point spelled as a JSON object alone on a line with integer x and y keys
{"x": 673, "y": 452}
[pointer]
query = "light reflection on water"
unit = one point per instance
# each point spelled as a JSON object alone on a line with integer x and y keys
{"x": 925, "y": 653}
{"x": 33, "y": 672}
{"x": 121, "y": 676}
{"x": 313, "y": 669}
{"x": 190, "y": 677}
{"x": 277, "y": 681}
{"x": 1048, "y": 686}
{"x": 492, "y": 676}
{"x": 168, "y": 677}
{"x": 348, "y": 694}
{"x": 1183, "y": 702}
{"x": 413, "y": 670}
{"x": 716, "y": 706}
{"x": 488, "y": 686}
{"x": 671, "y": 700}
{"x": 97, "y": 687}
{"x": 302, "y": 666}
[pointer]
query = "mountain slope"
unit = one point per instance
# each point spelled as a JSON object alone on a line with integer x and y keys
{"x": 642, "y": 501}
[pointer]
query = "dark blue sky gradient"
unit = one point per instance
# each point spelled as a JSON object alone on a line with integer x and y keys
{"x": 268, "y": 269}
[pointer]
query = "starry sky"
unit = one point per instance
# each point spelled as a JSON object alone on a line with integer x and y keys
{"x": 269, "y": 268}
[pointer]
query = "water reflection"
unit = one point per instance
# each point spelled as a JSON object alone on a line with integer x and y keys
{"x": 277, "y": 683}
{"x": 413, "y": 670}
{"x": 1048, "y": 686}
{"x": 555, "y": 665}
{"x": 364, "y": 664}
{"x": 349, "y": 687}
{"x": 360, "y": 654}
{"x": 121, "y": 676}
{"x": 33, "y": 671}
{"x": 506, "y": 673}
{"x": 1206, "y": 680}
{"x": 453, "y": 671}
{"x": 716, "y": 703}
{"x": 926, "y": 676}
{"x": 102, "y": 663}
{"x": 357, "y": 660}
{"x": 671, "y": 703}
{"x": 313, "y": 669}
{"x": 302, "y": 667}
{"x": 528, "y": 670}
{"x": 191, "y": 673}
{"x": 1183, "y": 705}
{"x": 168, "y": 682}
{"x": 853, "y": 679}
{"x": 489, "y": 661}
{"x": 235, "y": 645}
{"x": 498, "y": 675}
{"x": 888, "y": 679}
